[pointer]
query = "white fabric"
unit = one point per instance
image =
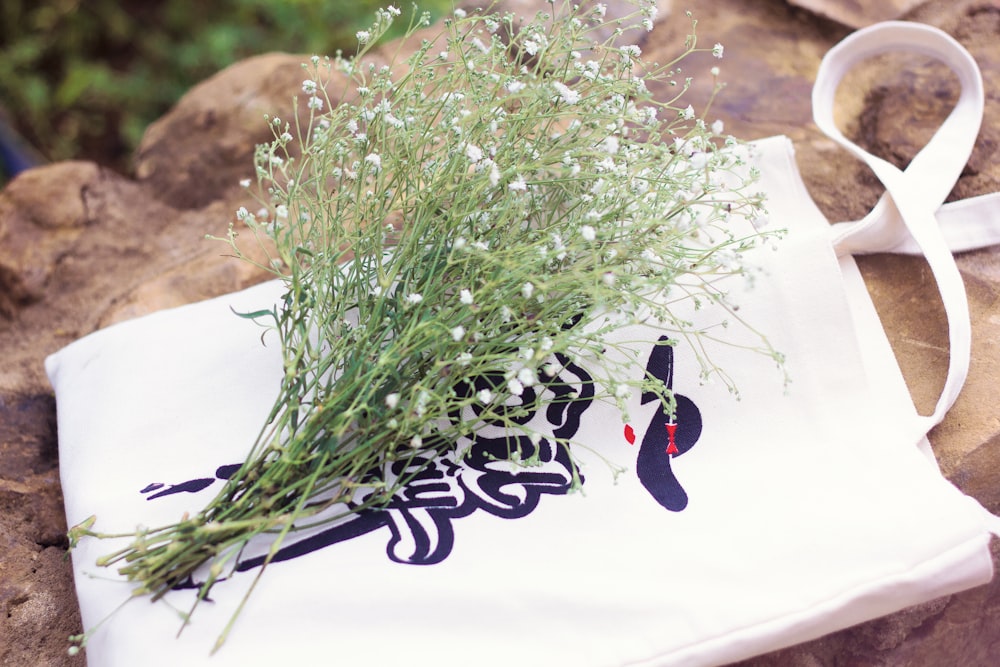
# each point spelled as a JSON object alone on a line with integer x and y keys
{"x": 803, "y": 510}
{"x": 968, "y": 224}
{"x": 917, "y": 192}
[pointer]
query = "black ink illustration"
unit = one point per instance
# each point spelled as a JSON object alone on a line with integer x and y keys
{"x": 420, "y": 516}
{"x": 667, "y": 436}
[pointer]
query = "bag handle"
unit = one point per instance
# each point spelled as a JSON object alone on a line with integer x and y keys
{"x": 966, "y": 225}
{"x": 905, "y": 215}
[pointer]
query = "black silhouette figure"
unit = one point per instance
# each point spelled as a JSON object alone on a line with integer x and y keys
{"x": 420, "y": 517}
{"x": 668, "y": 435}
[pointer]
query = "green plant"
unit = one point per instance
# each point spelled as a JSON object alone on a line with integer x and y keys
{"x": 498, "y": 203}
{"x": 84, "y": 79}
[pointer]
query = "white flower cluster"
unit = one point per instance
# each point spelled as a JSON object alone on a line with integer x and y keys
{"x": 457, "y": 232}
{"x": 531, "y": 177}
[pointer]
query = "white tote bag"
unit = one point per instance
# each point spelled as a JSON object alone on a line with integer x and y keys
{"x": 742, "y": 527}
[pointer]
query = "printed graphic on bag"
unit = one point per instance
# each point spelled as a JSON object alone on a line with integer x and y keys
{"x": 666, "y": 436}
{"x": 420, "y": 515}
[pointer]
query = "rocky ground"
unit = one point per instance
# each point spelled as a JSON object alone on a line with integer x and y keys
{"x": 82, "y": 247}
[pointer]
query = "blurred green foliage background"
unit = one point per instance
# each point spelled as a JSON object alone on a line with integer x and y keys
{"x": 83, "y": 78}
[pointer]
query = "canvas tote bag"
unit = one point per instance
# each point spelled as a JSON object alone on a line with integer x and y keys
{"x": 739, "y": 527}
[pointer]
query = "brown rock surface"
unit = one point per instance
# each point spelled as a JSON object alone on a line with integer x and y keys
{"x": 859, "y": 13}
{"x": 177, "y": 160}
{"x": 81, "y": 247}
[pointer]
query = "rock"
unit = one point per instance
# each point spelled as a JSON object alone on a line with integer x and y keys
{"x": 37, "y": 608}
{"x": 37, "y": 602}
{"x": 82, "y": 247}
{"x": 43, "y": 212}
{"x": 204, "y": 145}
{"x": 857, "y": 13}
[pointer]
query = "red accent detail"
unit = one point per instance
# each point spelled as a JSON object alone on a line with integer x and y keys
{"x": 629, "y": 434}
{"x": 671, "y": 433}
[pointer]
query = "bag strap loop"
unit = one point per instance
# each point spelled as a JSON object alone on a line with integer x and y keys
{"x": 905, "y": 215}
{"x": 966, "y": 224}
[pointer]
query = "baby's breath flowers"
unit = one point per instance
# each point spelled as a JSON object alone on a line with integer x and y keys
{"x": 497, "y": 203}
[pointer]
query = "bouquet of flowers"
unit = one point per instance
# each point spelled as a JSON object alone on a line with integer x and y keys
{"x": 459, "y": 225}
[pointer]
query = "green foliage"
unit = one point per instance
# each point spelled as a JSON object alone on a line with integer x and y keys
{"x": 84, "y": 79}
